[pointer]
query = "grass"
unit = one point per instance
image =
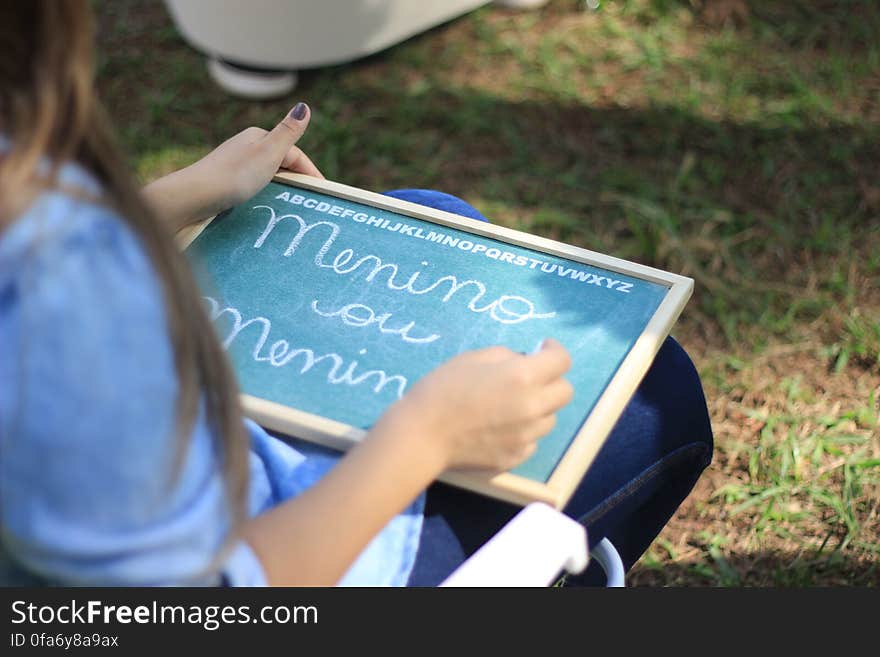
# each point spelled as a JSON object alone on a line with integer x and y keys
{"x": 742, "y": 152}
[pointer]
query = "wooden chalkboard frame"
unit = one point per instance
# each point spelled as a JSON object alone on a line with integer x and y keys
{"x": 584, "y": 446}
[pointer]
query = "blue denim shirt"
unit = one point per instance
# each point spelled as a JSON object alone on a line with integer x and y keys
{"x": 87, "y": 407}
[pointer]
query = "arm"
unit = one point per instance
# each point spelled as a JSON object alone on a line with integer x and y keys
{"x": 88, "y": 391}
{"x": 314, "y": 538}
{"x": 232, "y": 172}
{"x": 492, "y": 423}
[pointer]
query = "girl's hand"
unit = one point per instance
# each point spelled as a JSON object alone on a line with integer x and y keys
{"x": 487, "y": 409}
{"x": 233, "y": 172}
{"x": 244, "y": 163}
{"x": 482, "y": 409}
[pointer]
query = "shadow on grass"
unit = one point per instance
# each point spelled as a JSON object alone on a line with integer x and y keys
{"x": 761, "y": 569}
{"x": 840, "y": 25}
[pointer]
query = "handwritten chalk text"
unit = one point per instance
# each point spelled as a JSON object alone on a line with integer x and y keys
{"x": 506, "y": 309}
{"x": 357, "y": 314}
{"x": 443, "y": 239}
{"x": 280, "y": 353}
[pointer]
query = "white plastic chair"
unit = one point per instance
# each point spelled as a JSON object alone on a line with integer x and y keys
{"x": 533, "y": 549}
{"x": 255, "y": 49}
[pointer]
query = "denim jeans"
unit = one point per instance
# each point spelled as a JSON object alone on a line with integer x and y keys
{"x": 644, "y": 471}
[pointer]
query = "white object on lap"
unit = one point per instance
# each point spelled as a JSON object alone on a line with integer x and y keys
{"x": 530, "y": 550}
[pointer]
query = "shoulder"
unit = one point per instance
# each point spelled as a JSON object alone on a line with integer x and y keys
{"x": 67, "y": 223}
{"x": 88, "y": 397}
{"x": 82, "y": 314}
{"x": 73, "y": 271}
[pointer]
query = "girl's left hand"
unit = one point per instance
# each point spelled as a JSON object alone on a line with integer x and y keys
{"x": 233, "y": 172}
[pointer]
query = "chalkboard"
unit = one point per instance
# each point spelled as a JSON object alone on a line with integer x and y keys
{"x": 332, "y": 301}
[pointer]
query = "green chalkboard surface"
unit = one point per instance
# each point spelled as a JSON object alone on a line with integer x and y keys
{"x": 335, "y": 307}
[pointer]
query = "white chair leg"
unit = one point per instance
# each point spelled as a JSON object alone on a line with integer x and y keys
{"x": 522, "y": 4}
{"x": 257, "y": 85}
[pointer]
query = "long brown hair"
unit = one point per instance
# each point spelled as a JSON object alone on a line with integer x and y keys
{"x": 49, "y": 111}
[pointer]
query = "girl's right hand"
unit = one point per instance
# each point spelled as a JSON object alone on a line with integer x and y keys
{"x": 482, "y": 409}
{"x": 486, "y": 409}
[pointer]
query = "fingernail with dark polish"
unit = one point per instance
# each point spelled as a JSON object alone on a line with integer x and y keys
{"x": 299, "y": 111}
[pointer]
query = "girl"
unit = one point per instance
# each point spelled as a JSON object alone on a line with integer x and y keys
{"x": 124, "y": 458}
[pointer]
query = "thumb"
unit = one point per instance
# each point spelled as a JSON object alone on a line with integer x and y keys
{"x": 284, "y": 135}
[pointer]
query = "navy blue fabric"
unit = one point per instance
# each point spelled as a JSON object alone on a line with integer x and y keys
{"x": 644, "y": 471}
{"x": 438, "y": 201}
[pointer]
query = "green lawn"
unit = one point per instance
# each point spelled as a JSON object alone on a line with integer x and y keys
{"x": 742, "y": 152}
